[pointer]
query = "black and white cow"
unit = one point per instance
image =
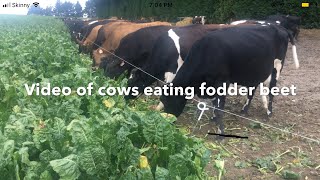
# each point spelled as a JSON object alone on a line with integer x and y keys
{"x": 135, "y": 48}
{"x": 74, "y": 26}
{"x": 168, "y": 55}
{"x": 246, "y": 55}
{"x": 199, "y": 20}
{"x": 291, "y": 23}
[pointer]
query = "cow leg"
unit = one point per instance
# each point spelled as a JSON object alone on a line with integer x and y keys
{"x": 219, "y": 103}
{"x": 273, "y": 83}
{"x": 267, "y": 83}
{"x": 214, "y": 104}
{"x": 265, "y": 102}
{"x": 268, "y": 104}
{"x": 246, "y": 106}
{"x": 297, "y": 33}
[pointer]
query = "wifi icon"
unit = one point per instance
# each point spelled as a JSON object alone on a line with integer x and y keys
{"x": 36, "y": 4}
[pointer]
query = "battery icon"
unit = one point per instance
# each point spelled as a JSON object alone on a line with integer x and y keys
{"x": 305, "y": 5}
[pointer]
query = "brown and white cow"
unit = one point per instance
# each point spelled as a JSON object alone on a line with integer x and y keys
{"x": 113, "y": 36}
{"x": 86, "y": 45}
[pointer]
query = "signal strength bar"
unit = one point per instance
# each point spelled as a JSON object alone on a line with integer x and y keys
{"x": 6, "y": 5}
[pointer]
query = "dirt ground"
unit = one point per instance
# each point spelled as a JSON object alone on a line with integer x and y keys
{"x": 269, "y": 153}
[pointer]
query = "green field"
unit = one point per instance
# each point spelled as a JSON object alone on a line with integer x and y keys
{"x": 80, "y": 137}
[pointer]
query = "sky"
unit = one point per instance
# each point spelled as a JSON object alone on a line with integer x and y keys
{"x": 24, "y": 10}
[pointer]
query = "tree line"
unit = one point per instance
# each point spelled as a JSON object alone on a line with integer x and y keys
{"x": 216, "y": 11}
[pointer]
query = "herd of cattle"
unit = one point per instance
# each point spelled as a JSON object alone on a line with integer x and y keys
{"x": 246, "y": 52}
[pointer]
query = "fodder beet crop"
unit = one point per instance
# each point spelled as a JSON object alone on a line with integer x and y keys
{"x": 78, "y": 137}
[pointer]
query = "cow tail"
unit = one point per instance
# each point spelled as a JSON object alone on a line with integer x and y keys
{"x": 294, "y": 50}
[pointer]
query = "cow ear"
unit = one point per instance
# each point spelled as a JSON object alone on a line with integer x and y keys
{"x": 134, "y": 71}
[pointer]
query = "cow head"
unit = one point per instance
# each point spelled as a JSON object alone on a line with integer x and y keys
{"x": 83, "y": 33}
{"x": 294, "y": 25}
{"x": 115, "y": 66}
{"x": 98, "y": 55}
{"x": 173, "y": 104}
{"x": 291, "y": 23}
{"x": 136, "y": 80}
{"x": 78, "y": 39}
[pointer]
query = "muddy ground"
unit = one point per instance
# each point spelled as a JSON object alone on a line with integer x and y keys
{"x": 269, "y": 153}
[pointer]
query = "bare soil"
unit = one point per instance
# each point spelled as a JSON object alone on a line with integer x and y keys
{"x": 298, "y": 114}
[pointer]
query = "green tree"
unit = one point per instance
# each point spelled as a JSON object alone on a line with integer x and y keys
{"x": 66, "y": 9}
{"x": 57, "y": 8}
{"x": 48, "y": 11}
{"x": 35, "y": 10}
{"x": 78, "y": 9}
{"x": 216, "y": 11}
{"x": 90, "y": 8}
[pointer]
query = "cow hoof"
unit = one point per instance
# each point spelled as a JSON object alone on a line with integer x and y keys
{"x": 269, "y": 114}
{"x": 243, "y": 112}
{"x": 267, "y": 118}
{"x": 213, "y": 120}
{"x": 219, "y": 138}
